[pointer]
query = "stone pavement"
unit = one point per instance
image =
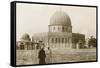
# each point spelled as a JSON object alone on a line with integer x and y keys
{"x": 27, "y": 57}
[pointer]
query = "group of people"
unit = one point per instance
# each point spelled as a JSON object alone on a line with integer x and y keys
{"x": 45, "y": 56}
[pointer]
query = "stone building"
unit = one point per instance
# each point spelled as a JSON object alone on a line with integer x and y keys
{"x": 24, "y": 43}
{"x": 59, "y": 34}
{"x": 79, "y": 39}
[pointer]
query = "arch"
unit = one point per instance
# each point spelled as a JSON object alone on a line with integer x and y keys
{"x": 22, "y": 46}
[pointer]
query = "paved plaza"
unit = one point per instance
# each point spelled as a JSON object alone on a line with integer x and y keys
{"x": 27, "y": 57}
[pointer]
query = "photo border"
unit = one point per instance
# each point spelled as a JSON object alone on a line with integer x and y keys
{"x": 13, "y": 32}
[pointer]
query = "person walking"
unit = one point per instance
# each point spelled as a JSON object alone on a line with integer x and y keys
{"x": 42, "y": 56}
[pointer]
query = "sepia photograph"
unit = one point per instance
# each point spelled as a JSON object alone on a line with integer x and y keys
{"x": 52, "y": 34}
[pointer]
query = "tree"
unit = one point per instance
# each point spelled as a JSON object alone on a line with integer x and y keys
{"x": 92, "y": 42}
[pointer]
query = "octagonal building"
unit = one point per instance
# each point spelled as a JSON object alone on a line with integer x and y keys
{"x": 60, "y": 30}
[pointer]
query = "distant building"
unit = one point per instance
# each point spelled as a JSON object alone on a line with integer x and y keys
{"x": 78, "y": 39}
{"x": 24, "y": 43}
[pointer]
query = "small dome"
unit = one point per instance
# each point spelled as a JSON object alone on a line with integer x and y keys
{"x": 60, "y": 18}
{"x": 25, "y": 37}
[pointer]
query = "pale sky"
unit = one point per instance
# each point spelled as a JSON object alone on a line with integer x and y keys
{"x": 35, "y": 18}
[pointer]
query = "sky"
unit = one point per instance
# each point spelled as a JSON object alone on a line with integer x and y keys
{"x": 35, "y": 18}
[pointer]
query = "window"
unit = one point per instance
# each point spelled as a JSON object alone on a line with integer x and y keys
{"x": 62, "y": 29}
{"x": 56, "y": 40}
{"x": 52, "y": 40}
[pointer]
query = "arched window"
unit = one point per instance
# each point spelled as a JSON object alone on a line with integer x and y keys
{"x": 56, "y": 40}
{"x": 62, "y": 29}
{"x": 21, "y": 46}
{"x": 52, "y": 40}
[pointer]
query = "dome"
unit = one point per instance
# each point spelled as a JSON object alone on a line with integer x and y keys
{"x": 60, "y": 18}
{"x": 25, "y": 37}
